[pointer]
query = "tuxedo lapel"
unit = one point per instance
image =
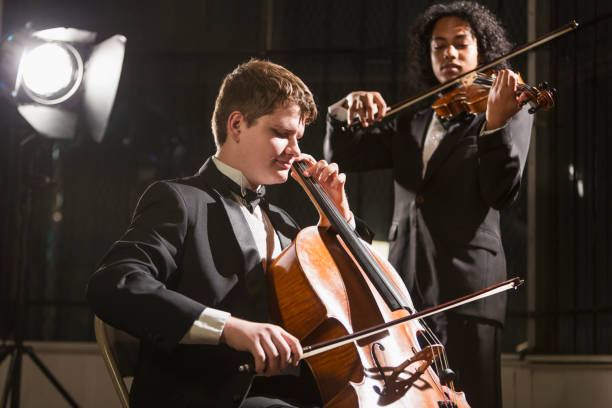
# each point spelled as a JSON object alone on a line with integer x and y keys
{"x": 453, "y": 135}
{"x": 419, "y": 126}
{"x": 253, "y": 272}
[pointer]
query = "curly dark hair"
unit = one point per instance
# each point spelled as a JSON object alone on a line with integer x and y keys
{"x": 491, "y": 37}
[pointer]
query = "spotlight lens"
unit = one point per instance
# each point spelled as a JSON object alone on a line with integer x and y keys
{"x": 47, "y": 69}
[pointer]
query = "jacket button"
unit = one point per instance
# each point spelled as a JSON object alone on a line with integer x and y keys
{"x": 419, "y": 199}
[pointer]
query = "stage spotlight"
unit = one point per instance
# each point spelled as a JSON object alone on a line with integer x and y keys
{"x": 56, "y": 74}
{"x": 51, "y": 72}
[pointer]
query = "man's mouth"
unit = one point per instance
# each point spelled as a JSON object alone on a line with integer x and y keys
{"x": 285, "y": 164}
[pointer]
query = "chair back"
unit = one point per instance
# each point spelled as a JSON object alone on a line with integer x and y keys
{"x": 120, "y": 353}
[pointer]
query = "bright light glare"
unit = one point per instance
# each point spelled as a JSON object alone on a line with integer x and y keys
{"x": 47, "y": 69}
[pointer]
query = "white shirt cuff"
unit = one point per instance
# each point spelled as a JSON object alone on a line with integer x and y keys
{"x": 208, "y": 328}
{"x": 488, "y": 132}
{"x": 338, "y": 110}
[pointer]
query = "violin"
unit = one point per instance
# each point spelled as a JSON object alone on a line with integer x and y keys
{"x": 475, "y": 94}
{"x": 471, "y": 96}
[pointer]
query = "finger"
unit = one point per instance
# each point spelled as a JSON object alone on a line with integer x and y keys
{"x": 317, "y": 168}
{"x": 296, "y": 348}
{"x": 305, "y": 157}
{"x": 512, "y": 80}
{"x": 272, "y": 355}
{"x": 370, "y": 107}
{"x": 340, "y": 180}
{"x": 381, "y": 104}
{"x": 523, "y": 97}
{"x": 259, "y": 356}
{"x": 328, "y": 172}
{"x": 309, "y": 160}
{"x": 361, "y": 111}
{"x": 501, "y": 79}
{"x": 284, "y": 350}
{"x": 353, "y": 105}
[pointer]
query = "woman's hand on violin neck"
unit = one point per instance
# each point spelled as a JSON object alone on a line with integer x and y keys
{"x": 503, "y": 102}
{"x": 329, "y": 177}
{"x": 272, "y": 347}
{"x": 366, "y": 107}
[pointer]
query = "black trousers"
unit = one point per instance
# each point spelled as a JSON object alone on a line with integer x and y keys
{"x": 474, "y": 353}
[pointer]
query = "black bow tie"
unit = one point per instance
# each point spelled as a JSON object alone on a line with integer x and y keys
{"x": 250, "y": 199}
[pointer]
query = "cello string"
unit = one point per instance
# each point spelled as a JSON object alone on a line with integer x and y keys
{"x": 350, "y": 238}
{"x": 333, "y": 212}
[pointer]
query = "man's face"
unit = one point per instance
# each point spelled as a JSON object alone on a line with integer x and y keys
{"x": 268, "y": 147}
{"x": 454, "y": 50}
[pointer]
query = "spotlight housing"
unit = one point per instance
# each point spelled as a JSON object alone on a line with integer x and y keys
{"x": 56, "y": 74}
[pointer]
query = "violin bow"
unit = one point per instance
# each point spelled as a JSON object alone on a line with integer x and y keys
{"x": 571, "y": 26}
{"x": 313, "y": 350}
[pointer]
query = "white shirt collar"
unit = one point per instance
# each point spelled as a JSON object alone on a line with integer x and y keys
{"x": 234, "y": 174}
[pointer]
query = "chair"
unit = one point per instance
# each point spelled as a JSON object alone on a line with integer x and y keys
{"x": 120, "y": 353}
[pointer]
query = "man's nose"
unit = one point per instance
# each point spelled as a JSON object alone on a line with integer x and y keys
{"x": 293, "y": 147}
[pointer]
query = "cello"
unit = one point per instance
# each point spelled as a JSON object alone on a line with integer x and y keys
{"x": 329, "y": 284}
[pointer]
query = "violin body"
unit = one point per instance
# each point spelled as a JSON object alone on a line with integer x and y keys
{"x": 472, "y": 95}
{"x": 471, "y": 100}
{"x": 318, "y": 292}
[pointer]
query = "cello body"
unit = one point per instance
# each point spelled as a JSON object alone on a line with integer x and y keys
{"x": 320, "y": 292}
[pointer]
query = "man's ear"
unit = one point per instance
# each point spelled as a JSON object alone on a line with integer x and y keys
{"x": 235, "y": 123}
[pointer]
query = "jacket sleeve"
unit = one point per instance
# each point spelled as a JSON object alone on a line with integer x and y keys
{"x": 502, "y": 156}
{"x": 129, "y": 288}
{"x": 358, "y": 149}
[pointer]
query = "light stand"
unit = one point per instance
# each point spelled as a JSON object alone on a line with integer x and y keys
{"x": 29, "y": 180}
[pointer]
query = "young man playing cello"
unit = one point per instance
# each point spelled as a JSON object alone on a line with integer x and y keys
{"x": 450, "y": 182}
{"x": 188, "y": 276}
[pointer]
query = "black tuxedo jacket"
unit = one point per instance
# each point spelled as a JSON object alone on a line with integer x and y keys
{"x": 188, "y": 247}
{"x": 445, "y": 235}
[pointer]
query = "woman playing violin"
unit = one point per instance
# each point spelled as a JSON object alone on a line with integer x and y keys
{"x": 451, "y": 180}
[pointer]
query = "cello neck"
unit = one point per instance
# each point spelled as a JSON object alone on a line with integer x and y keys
{"x": 360, "y": 252}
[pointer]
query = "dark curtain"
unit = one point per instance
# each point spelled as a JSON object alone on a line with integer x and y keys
{"x": 176, "y": 57}
{"x": 574, "y": 240}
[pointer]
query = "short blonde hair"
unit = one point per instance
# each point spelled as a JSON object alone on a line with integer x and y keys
{"x": 257, "y": 88}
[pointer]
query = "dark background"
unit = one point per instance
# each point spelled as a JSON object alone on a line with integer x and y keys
{"x": 177, "y": 55}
